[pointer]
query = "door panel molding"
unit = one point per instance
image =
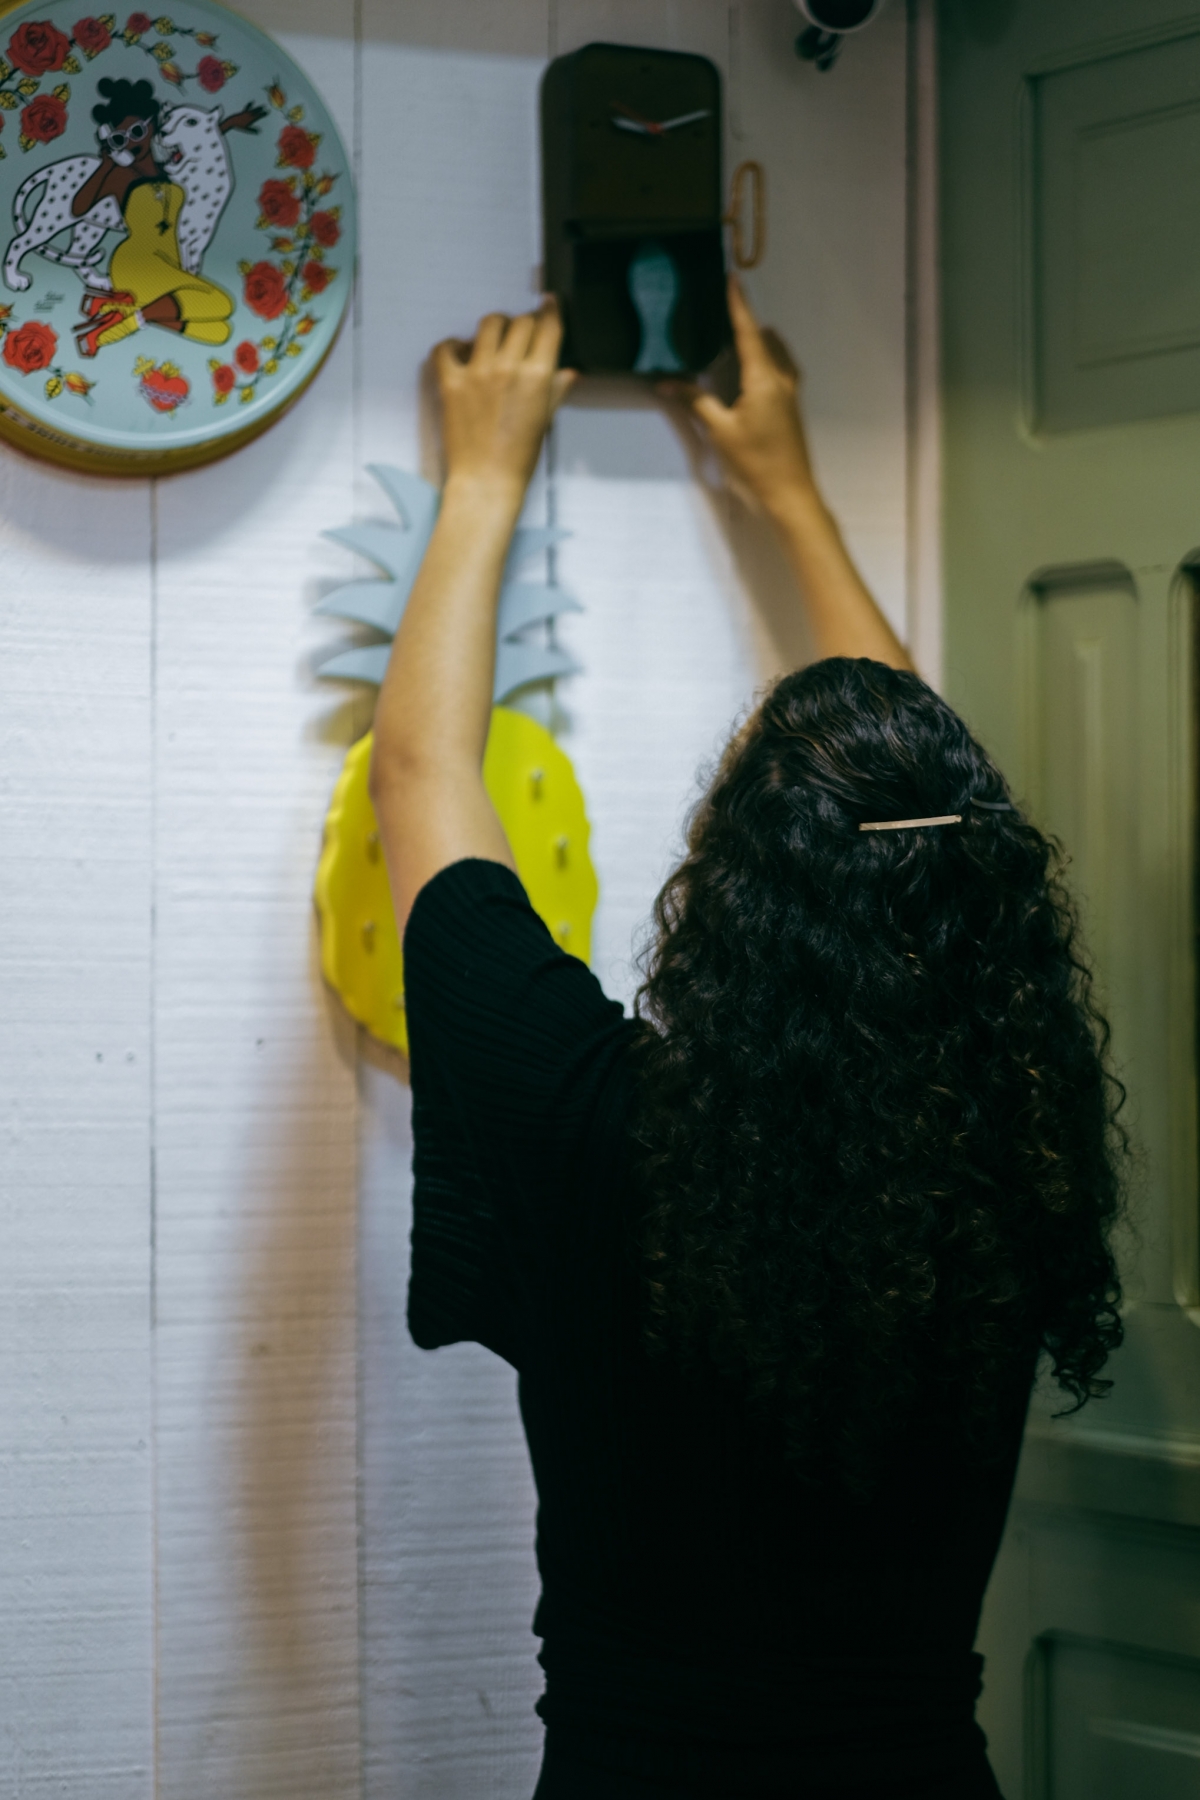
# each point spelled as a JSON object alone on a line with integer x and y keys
{"x": 1110, "y": 1719}
{"x": 1149, "y": 1480}
{"x": 1117, "y": 43}
{"x": 1109, "y": 319}
{"x": 1183, "y": 876}
{"x": 1104, "y": 572}
{"x": 1080, "y": 705}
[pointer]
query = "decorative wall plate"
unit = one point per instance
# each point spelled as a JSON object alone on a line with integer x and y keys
{"x": 179, "y": 242}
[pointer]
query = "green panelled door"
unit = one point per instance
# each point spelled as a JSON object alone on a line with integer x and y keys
{"x": 1070, "y": 155}
{"x": 1080, "y": 763}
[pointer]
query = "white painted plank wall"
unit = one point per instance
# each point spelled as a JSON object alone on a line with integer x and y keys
{"x": 449, "y": 178}
{"x": 178, "y": 1118}
{"x": 256, "y": 1414}
{"x": 76, "y": 1638}
{"x": 179, "y": 1104}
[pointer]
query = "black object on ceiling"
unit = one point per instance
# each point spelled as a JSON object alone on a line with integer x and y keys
{"x": 830, "y": 21}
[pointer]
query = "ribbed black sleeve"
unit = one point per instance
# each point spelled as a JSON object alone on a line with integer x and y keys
{"x": 512, "y": 1045}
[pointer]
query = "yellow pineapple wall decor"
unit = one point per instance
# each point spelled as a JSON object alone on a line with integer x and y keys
{"x": 529, "y": 778}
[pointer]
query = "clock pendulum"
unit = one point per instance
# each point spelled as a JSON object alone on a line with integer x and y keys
{"x": 654, "y": 290}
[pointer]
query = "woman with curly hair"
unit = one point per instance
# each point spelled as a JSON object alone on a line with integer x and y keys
{"x": 778, "y": 1258}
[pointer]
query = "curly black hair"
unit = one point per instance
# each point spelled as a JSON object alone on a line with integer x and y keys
{"x": 877, "y": 1138}
{"x": 126, "y": 100}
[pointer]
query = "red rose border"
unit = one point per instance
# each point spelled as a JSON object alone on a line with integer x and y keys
{"x": 281, "y": 284}
{"x": 37, "y": 49}
{"x": 41, "y": 334}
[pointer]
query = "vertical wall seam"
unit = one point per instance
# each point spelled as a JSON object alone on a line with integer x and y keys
{"x": 922, "y": 350}
{"x": 551, "y": 449}
{"x": 152, "y": 1096}
{"x": 356, "y": 156}
{"x": 733, "y": 85}
{"x": 912, "y": 370}
{"x": 360, "y": 1521}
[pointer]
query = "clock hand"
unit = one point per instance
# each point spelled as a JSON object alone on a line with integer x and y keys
{"x": 627, "y": 120}
{"x": 685, "y": 119}
{"x": 631, "y": 121}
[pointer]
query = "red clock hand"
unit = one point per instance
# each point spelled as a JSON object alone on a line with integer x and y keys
{"x": 631, "y": 121}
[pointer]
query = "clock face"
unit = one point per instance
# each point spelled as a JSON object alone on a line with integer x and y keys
{"x": 648, "y": 138}
{"x": 179, "y": 245}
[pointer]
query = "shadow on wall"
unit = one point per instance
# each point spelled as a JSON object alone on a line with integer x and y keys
{"x": 750, "y": 541}
{"x": 65, "y": 513}
{"x": 295, "y": 1386}
{"x": 610, "y": 442}
{"x": 768, "y": 582}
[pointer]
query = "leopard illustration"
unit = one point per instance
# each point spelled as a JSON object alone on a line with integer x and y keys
{"x": 190, "y": 146}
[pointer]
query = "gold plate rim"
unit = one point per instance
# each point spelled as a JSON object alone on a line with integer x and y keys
{"x": 43, "y": 445}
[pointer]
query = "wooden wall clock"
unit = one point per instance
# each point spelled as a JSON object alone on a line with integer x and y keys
{"x": 178, "y": 234}
{"x": 631, "y": 179}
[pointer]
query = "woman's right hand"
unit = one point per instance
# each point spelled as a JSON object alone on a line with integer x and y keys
{"x": 498, "y": 395}
{"x": 761, "y": 436}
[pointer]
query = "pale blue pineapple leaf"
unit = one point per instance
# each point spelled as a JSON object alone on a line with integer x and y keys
{"x": 377, "y": 603}
{"x": 530, "y": 540}
{"x": 396, "y": 551}
{"x": 522, "y": 603}
{"x": 516, "y": 666}
{"x": 399, "y": 551}
{"x": 366, "y": 663}
{"x": 415, "y": 499}
{"x": 519, "y": 664}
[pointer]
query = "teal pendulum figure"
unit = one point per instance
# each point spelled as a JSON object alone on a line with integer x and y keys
{"x": 654, "y": 289}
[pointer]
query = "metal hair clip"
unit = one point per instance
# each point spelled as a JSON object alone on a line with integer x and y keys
{"x": 909, "y": 824}
{"x": 996, "y": 806}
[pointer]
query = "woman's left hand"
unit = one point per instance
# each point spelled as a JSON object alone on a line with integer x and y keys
{"x": 498, "y": 395}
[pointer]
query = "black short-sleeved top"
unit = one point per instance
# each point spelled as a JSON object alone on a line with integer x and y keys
{"x": 698, "y": 1599}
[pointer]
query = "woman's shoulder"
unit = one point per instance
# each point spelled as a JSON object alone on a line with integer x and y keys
{"x": 474, "y": 941}
{"x": 521, "y": 1034}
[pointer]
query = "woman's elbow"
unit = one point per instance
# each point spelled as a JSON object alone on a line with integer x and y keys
{"x": 394, "y": 766}
{"x": 376, "y": 773}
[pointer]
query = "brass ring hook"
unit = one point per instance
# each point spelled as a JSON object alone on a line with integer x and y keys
{"x": 751, "y": 173}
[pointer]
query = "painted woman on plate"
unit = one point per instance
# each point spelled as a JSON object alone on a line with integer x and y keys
{"x": 150, "y": 284}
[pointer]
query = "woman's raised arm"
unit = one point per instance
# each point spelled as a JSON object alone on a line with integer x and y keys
{"x": 761, "y": 439}
{"x": 431, "y": 722}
